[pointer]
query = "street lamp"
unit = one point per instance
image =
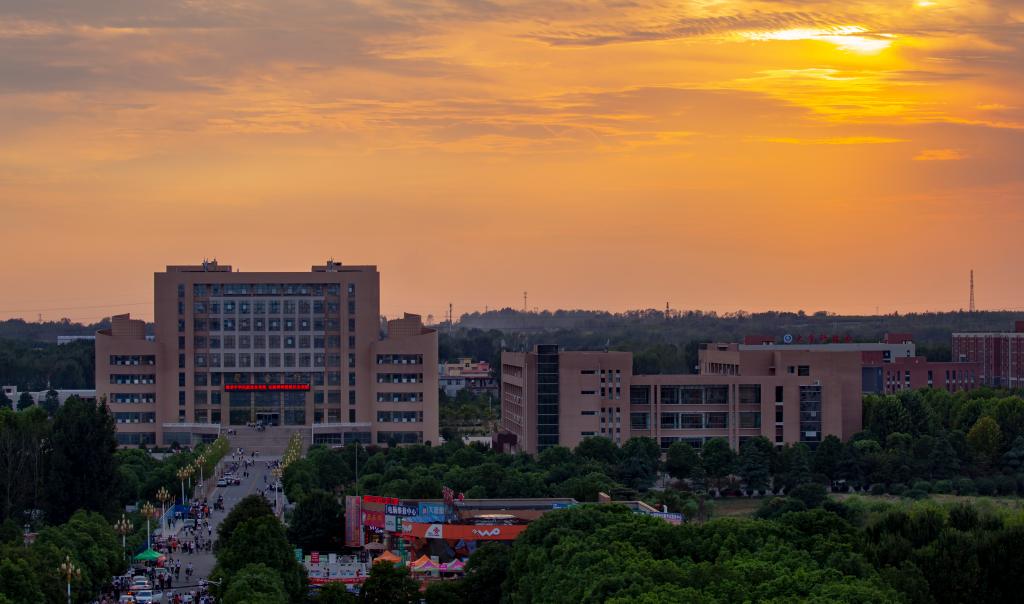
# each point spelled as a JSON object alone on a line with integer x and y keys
{"x": 277, "y": 475}
{"x": 199, "y": 464}
{"x": 123, "y": 527}
{"x": 164, "y": 496}
{"x": 183, "y": 473}
{"x": 69, "y": 571}
{"x": 148, "y": 510}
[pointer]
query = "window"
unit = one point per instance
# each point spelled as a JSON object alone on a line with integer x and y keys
{"x": 750, "y": 419}
{"x": 804, "y": 370}
{"x": 586, "y": 392}
{"x": 588, "y": 412}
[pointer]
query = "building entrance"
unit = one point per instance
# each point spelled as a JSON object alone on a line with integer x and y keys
{"x": 269, "y": 418}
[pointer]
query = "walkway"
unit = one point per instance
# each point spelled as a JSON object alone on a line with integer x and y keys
{"x": 203, "y": 562}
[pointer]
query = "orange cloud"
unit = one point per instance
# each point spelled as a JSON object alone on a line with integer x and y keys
{"x": 939, "y": 155}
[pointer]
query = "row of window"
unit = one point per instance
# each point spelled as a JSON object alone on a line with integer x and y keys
{"x": 127, "y": 378}
{"x": 399, "y": 438}
{"x": 134, "y": 398}
{"x": 273, "y": 307}
{"x": 399, "y": 397}
{"x": 399, "y": 378}
{"x": 303, "y": 324}
{"x": 695, "y": 395}
{"x": 202, "y": 290}
{"x": 135, "y": 418}
{"x": 272, "y": 359}
{"x": 399, "y": 416}
{"x": 399, "y": 359}
{"x": 132, "y": 359}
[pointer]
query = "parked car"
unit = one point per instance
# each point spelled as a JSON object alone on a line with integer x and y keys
{"x": 148, "y": 597}
{"x": 222, "y": 482}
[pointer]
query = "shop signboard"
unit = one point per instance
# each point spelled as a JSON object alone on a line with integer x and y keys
{"x": 401, "y": 509}
{"x": 432, "y": 509}
{"x": 353, "y": 521}
{"x": 468, "y": 532}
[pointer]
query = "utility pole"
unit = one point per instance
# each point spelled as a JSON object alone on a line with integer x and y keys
{"x": 524, "y": 302}
{"x": 451, "y": 319}
{"x": 972, "y": 290}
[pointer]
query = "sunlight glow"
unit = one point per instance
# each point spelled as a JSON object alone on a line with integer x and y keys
{"x": 845, "y": 37}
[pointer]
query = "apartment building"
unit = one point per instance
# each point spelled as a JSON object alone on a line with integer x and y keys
{"x": 999, "y": 355}
{"x": 279, "y": 348}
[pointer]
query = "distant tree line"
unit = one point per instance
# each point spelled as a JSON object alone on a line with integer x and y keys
{"x": 31, "y": 366}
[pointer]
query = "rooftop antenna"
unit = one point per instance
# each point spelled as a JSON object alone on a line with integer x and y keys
{"x": 972, "y": 291}
{"x": 525, "y": 307}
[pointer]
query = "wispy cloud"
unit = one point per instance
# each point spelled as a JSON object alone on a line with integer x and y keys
{"x": 939, "y": 155}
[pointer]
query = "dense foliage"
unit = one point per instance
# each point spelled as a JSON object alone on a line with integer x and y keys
{"x": 420, "y": 471}
{"x": 255, "y": 562}
{"x": 38, "y": 366}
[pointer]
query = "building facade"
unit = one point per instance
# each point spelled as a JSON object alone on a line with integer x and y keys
{"x": 551, "y": 397}
{"x": 999, "y": 355}
{"x": 278, "y": 348}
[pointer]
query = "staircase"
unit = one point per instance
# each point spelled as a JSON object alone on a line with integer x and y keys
{"x": 271, "y": 442}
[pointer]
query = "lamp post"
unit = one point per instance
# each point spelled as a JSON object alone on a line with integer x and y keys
{"x": 182, "y": 475}
{"x": 148, "y": 510}
{"x": 164, "y": 496}
{"x": 69, "y": 571}
{"x": 123, "y": 527}
{"x": 199, "y": 464}
{"x": 277, "y": 479}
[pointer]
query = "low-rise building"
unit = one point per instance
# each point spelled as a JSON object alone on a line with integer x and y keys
{"x": 467, "y": 374}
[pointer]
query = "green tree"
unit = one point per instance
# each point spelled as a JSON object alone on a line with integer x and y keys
{"x": 249, "y": 508}
{"x": 1013, "y": 460}
{"x": 316, "y": 521}
{"x": 827, "y": 457}
{"x": 5, "y": 402}
{"x": 885, "y": 415}
{"x": 943, "y": 461}
{"x": 718, "y": 459}
{"x": 680, "y": 460}
{"x": 599, "y": 449}
{"x": 485, "y": 572}
{"x": 51, "y": 403}
{"x": 261, "y": 540}
{"x": 390, "y": 584}
{"x": 755, "y": 463}
{"x": 255, "y": 583}
{"x": 334, "y": 593}
{"x": 985, "y": 440}
{"x": 25, "y": 401}
{"x": 81, "y": 460}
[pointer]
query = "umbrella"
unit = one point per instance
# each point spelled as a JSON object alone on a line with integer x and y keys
{"x": 387, "y": 557}
{"x": 148, "y": 556}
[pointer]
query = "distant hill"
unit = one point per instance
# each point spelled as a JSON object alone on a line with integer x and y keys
{"x": 47, "y": 331}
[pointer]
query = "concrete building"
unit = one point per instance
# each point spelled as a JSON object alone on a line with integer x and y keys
{"x": 999, "y": 355}
{"x": 550, "y": 397}
{"x": 281, "y": 348}
{"x": 911, "y": 373}
{"x": 467, "y": 374}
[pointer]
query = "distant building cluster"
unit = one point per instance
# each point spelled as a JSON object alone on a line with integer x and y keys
{"x": 467, "y": 374}
{"x": 798, "y": 389}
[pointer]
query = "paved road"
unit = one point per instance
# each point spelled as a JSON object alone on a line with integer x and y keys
{"x": 203, "y": 562}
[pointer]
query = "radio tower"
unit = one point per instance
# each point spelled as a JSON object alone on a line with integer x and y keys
{"x": 972, "y": 290}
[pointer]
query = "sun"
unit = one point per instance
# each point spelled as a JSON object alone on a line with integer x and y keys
{"x": 854, "y": 38}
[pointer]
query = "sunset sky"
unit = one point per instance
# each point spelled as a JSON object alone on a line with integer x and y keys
{"x": 617, "y": 154}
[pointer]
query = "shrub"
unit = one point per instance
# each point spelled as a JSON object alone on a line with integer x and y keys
{"x": 810, "y": 494}
{"x": 985, "y": 486}
{"x": 777, "y": 506}
{"x": 877, "y": 489}
{"x": 964, "y": 486}
{"x": 922, "y": 485}
{"x": 897, "y": 488}
{"x": 942, "y": 486}
{"x": 916, "y": 494}
{"x": 1006, "y": 485}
